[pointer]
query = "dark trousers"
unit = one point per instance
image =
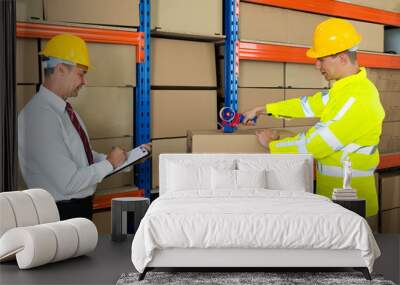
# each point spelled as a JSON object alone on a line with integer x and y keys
{"x": 76, "y": 208}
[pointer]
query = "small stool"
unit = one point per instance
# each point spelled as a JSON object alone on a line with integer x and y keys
{"x": 120, "y": 207}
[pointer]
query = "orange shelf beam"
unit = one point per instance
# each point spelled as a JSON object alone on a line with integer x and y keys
{"x": 336, "y": 9}
{"x": 47, "y": 31}
{"x": 282, "y": 53}
{"x": 389, "y": 160}
{"x": 104, "y": 201}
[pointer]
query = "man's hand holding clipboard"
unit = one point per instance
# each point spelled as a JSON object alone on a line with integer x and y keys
{"x": 135, "y": 156}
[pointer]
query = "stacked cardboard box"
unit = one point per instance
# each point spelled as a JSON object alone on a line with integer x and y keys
{"x": 387, "y": 81}
{"x": 390, "y": 204}
{"x": 183, "y": 72}
{"x": 271, "y": 24}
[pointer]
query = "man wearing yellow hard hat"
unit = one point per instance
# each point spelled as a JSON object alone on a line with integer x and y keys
{"x": 350, "y": 113}
{"x": 53, "y": 144}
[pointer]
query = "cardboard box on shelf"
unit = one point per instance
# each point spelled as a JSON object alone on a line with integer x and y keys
{"x": 114, "y": 64}
{"x": 173, "y": 112}
{"x": 303, "y": 76}
{"x": 263, "y": 23}
{"x": 295, "y": 93}
{"x": 106, "y": 111}
{"x": 29, "y": 10}
{"x": 182, "y": 63}
{"x": 24, "y": 93}
{"x": 103, "y": 12}
{"x": 391, "y": 221}
{"x": 104, "y": 146}
{"x": 102, "y": 221}
{"x": 372, "y": 36}
{"x": 27, "y": 61}
{"x": 390, "y": 138}
{"x": 391, "y": 103}
{"x": 385, "y": 79}
{"x": 261, "y": 74}
{"x": 177, "y": 145}
{"x": 249, "y": 98}
{"x": 187, "y": 16}
{"x": 305, "y": 24}
{"x": 388, "y": 5}
{"x": 390, "y": 195}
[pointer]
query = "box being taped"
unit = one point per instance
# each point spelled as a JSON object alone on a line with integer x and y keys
{"x": 241, "y": 141}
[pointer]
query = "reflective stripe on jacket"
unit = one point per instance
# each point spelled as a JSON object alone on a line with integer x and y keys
{"x": 351, "y": 117}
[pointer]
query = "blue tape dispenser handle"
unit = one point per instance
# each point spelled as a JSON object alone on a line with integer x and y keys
{"x": 242, "y": 119}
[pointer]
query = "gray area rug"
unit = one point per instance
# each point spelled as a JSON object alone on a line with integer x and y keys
{"x": 243, "y": 278}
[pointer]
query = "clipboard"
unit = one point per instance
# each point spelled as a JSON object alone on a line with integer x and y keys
{"x": 134, "y": 155}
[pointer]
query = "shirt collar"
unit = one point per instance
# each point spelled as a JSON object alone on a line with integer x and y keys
{"x": 55, "y": 101}
{"x": 344, "y": 81}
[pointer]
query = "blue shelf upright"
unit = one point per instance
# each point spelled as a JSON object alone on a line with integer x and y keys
{"x": 142, "y": 102}
{"x": 231, "y": 68}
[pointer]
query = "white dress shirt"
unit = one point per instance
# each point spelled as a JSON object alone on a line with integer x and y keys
{"x": 51, "y": 152}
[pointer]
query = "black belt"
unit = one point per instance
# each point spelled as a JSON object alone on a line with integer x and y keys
{"x": 74, "y": 200}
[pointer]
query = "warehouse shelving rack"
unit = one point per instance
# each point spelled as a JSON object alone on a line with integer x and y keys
{"x": 141, "y": 42}
{"x": 236, "y": 50}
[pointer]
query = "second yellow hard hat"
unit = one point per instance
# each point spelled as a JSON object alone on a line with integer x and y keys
{"x": 68, "y": 47}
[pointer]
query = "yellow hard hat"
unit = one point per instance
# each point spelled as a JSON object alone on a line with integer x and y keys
{"x": 333, "y": 36}
{"x": 67, "y": 47}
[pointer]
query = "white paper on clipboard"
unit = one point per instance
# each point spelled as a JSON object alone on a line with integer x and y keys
{"x": 133, "y": 156}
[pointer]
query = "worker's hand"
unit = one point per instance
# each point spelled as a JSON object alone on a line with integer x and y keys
{"x": 266, "y": 136}
{"x": 251, "y": 114}
{"x": 117, "y": 156}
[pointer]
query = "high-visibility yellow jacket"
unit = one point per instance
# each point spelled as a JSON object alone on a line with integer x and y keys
{"x": 350, "y": 125}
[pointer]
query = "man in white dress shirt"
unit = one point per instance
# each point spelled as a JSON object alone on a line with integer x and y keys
{"x": 53, "y": 145}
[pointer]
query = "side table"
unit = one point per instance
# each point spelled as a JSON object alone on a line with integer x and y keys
{"x": 120, "y": 208}
{"x": 356, "y": 205}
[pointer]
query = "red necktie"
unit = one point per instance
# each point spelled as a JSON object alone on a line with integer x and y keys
{"x": 80, "y": 131}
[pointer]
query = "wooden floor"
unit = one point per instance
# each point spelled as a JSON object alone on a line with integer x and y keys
{"x": 106, "y": 264}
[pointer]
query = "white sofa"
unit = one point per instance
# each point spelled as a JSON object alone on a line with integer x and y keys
{"x": 31, "y": 231}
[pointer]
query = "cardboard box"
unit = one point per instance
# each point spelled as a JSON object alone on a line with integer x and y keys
{"x": 195, "y": 17}
{"x": 295, "y": 93}
{"x": 102, "y": 221}
{"x": 299, "y": 75}
{"x": 114, "y": 64}
{"x": 248, "y": 98}
{"x": 104, "y": 146}
{"x": 260, "y": 74}
{"x": 385, "y": 79}
{"x": 391, "y": 221}
{"x": 389, "y": 5}
{"x": 24, "y": 93}
{"x": 390, "y": 138}
{"x": 241, "y": 141}
{"x": 27, "y": 61}
{"x": 182, "y": 63}
{"x": 263, "y": 23}
{"x": 106, "y": 111}
{"x": 391, "y": 104}
{"x": 216, "y": 141}
{"x": 390, "y": 195}
{"x": 105, "y": 12}
{"x": 174, "y": 112}
{"x": 165, "y": 146}
{"x": 372, "y": 36}
{"x": 29, "y": 10}
{"x": 305, "y": 24}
